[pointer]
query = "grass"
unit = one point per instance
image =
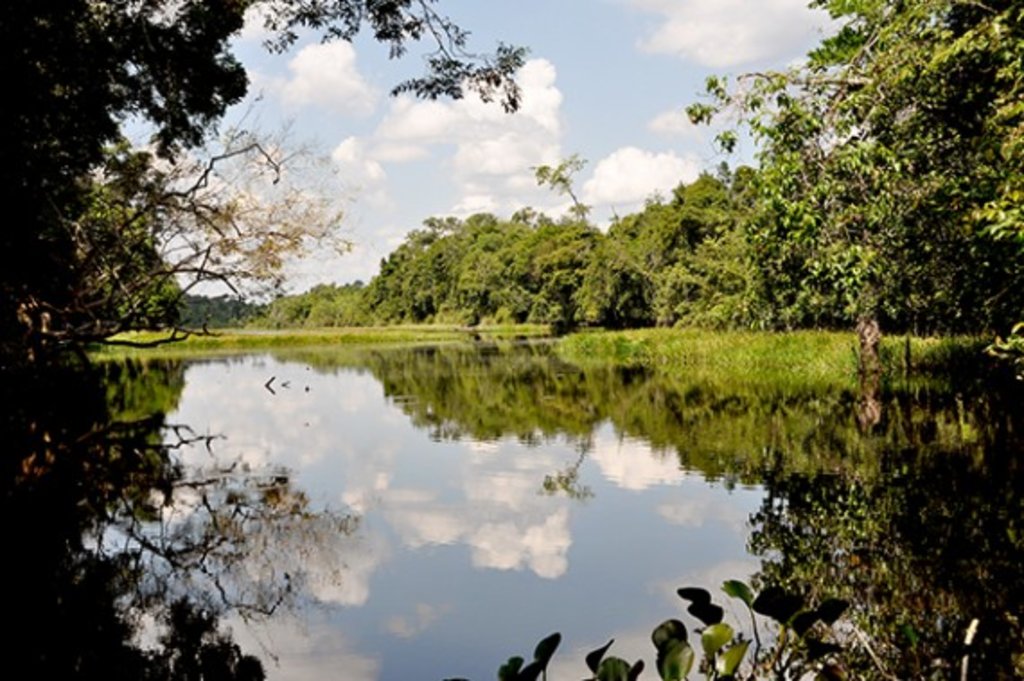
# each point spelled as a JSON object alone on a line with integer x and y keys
{"x": 804, "y": 358}
{"x": 246, "y": 340}
{"x": 807, "y": 357}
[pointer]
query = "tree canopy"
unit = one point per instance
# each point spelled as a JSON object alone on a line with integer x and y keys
{"x": 679, "y": 260}
{"x": 891, "y": 167}
{"x": 86, "y": 68}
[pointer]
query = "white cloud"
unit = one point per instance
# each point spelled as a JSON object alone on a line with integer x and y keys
{"x": 351, "y": 158}
{"x": 631, "y": 464}
{"x": 310, "y": 650}
{"x": 542, "y": 547}
{"x": 727, "y": 33}
{"x": 398, "y": 153}
{"x": 630, "y": 175}
{"x": 675, "y": 123}
{"x": 415, "y": 623}
{"x": 697, "y": 512}
{"x": 326, "y": 75}
{"x": 494, "y": 152}
{"x": 255, "y": 28}
{"x": 471, "y": 204}
{"x": 360, "y": 171}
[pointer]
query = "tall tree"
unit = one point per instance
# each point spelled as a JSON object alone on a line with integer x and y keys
{"x": 82, "y": 68}
{"x": 890, "y": 160}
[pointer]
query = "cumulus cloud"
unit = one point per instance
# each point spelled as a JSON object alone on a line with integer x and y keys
{"x": 360, "y": 171}
{"x": 326, "y": 75}
{"x": 697, "y": 512}
{"x": 494, "y": 153}
{"x": 255, "y": 28}
{"x": 310, "y": 650}
{"x": 632, "y": 465}
{"x": 728, "y": 33}
{"x": 543, "y": 546}
{"x": 630, "y": 175}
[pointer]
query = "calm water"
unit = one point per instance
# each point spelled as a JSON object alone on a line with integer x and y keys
{"x": 428, "y": 512}
{"x": 462, "y": 556}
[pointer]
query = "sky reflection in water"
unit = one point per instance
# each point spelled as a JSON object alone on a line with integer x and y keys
{"x": 461, "y": 559}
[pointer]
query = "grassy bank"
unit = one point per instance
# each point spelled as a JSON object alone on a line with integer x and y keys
{"x": 246, "y": 340}
{"x": 804, "y": 356}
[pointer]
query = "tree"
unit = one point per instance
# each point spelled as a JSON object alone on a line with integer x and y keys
{"x": 559, "y": 179}
{"x": 888, "y": 165}
{"x": 85, "y": 67}
{"x": 152, "y": 230}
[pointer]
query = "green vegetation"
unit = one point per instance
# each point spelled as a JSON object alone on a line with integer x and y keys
{"x": 163, "y": 344}
{"x": 801, "y": 357}
{"x": 216, "y": 312}
{"x": 891, "y": 163}
{"x": 681, "y": 260}
{"x": 799, "y": 648}
{"x": 109, "y": 236}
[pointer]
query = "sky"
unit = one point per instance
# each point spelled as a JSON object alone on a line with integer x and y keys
{"x": 605, "y": 79}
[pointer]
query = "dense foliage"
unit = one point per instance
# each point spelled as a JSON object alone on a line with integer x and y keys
{"x": 216, "y": 311}
{"x": 105, "y": 234}
{"x": 891, "y": 168}
{"x": 681, "y": 259}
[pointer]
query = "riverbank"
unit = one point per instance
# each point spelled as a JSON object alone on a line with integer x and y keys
{"x": 803, "y": 356}
{"x": 774, "y": 356}
{"x": 162, "y": 343}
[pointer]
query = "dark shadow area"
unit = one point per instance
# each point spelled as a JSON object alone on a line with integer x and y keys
{"x": 122, "y": 562}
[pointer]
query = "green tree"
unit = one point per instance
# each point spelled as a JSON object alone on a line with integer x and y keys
{"x": 888, "y": 165}
{"x": 87, "y": 66}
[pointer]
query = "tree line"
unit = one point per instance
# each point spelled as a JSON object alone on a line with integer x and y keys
{"x": 695, "y": 258}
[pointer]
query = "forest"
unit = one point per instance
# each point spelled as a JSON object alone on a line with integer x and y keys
{"x": 886, "y": 195}
{"x": 686, "y": 260}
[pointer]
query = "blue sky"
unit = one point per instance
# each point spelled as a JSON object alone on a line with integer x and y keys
{"x": 605, "y": 79}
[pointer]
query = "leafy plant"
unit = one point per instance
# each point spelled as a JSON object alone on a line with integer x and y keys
{"x": 1011, "y": 349}
{"x": 514, "y": 669}
{"x": 803, "y": 643}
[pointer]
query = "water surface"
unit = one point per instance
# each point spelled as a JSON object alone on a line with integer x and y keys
{"x": 480, "y": 497}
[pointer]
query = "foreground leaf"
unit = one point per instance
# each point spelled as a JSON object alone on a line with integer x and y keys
{"x": 546, "y": 648}
{"x": 668, "y": 631}
{"x": 715, "y": 637}
{"x": 594, "y": 656}
{"x": 737, "y": 589}
{"x": 675, "y": 661}
{"x": 730, "y": 660}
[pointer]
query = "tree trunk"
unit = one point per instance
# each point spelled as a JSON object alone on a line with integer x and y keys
{"x": 869, "y": 408}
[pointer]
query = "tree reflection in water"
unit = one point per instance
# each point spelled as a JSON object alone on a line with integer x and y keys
{"x": 121, "y": 561}
{"x": 124, "y": 562}
{"x": 914, "y": 515}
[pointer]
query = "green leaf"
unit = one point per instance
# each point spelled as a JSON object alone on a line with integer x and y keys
{"x": 594, "y": 656}
{"x": 546, "y": 648}
{"x": 613, "y": 669}
{"x": 734, "y": 588}
{"x": 714, "y": 637}
{"x": 667, "y": 632}
{"x": 510, "y": 670}
{"x": 675, "y": 661}
{"x": 636, "y": 670}
{"x": 727, "y": 663}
